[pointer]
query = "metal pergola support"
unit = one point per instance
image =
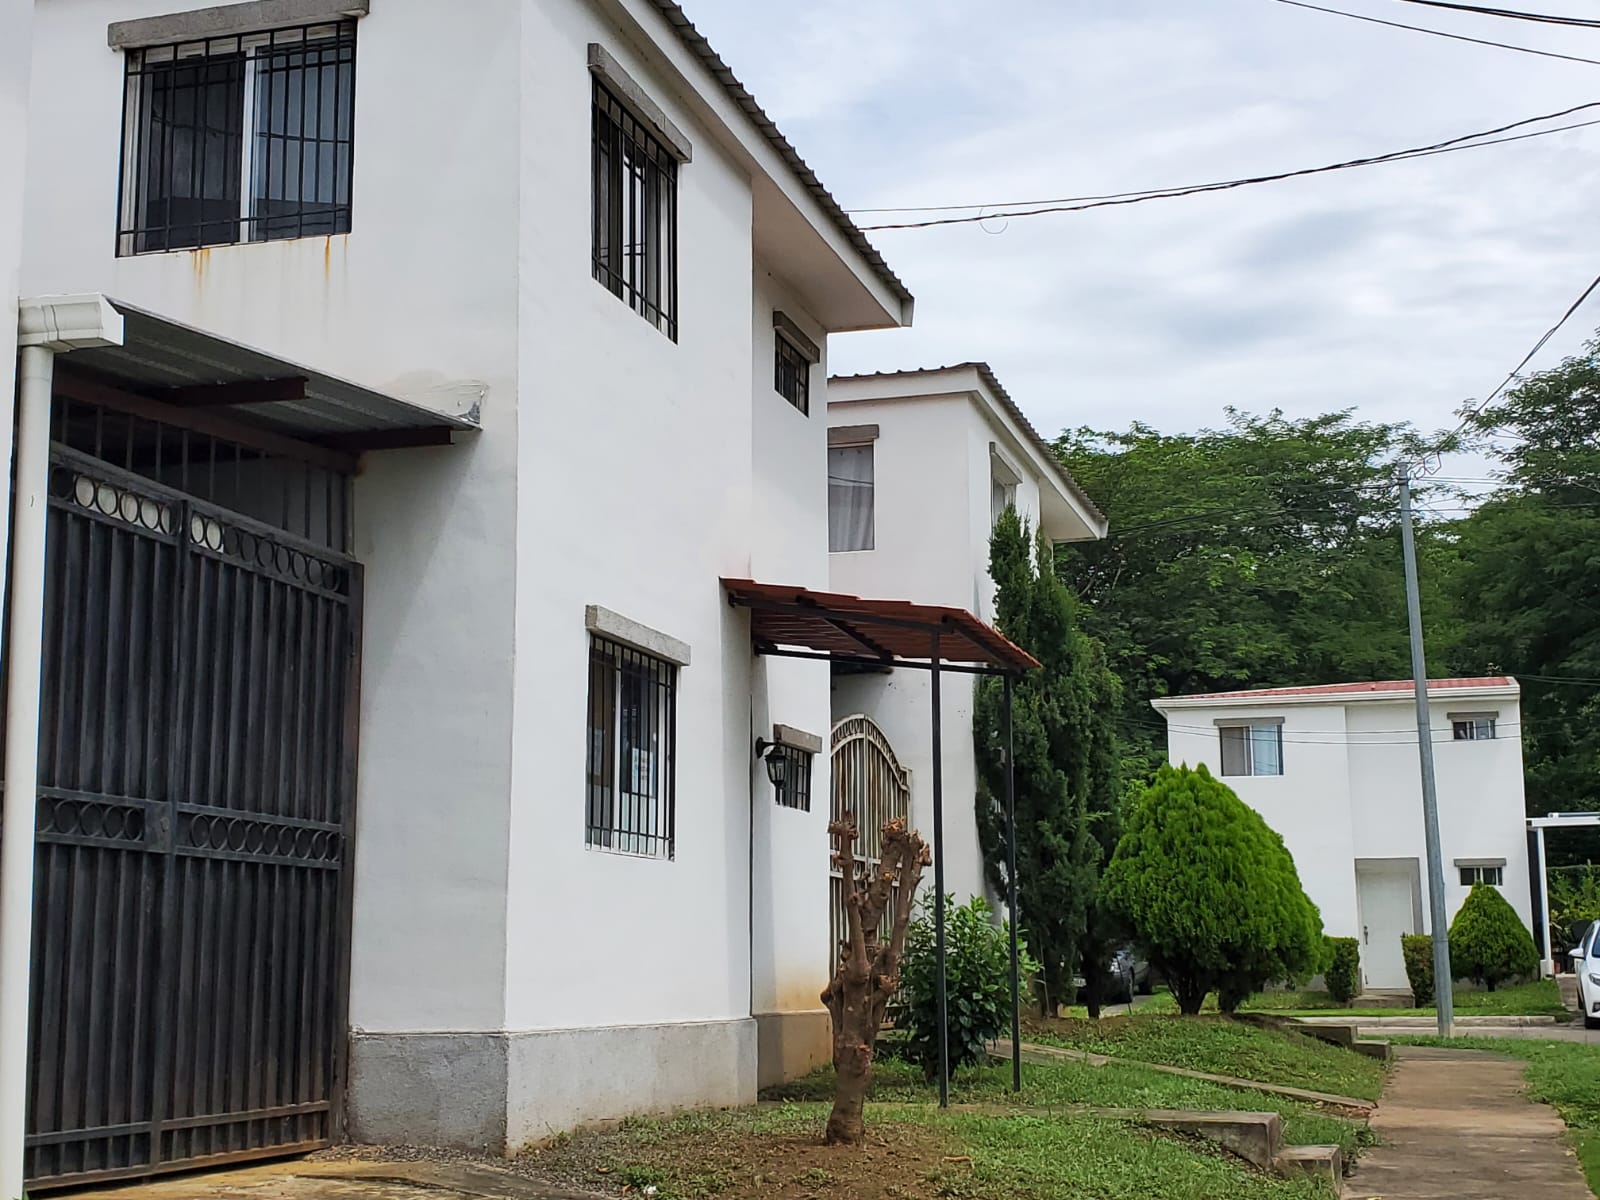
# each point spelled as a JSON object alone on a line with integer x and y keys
{"x": 1583, "y": 820}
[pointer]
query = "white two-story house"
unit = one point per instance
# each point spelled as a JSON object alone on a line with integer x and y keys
{"x": 406, "y": 379}
{"x": 1334, "y": 770}
{"x": 920, "y": 466}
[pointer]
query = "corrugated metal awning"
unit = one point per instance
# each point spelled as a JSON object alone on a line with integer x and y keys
{"x": 169, "y": 362}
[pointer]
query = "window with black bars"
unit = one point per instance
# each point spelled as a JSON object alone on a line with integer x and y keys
{"x": 792, "y": 372}
{"x": 635, "y": 214}
{"x": 245, "y": 138}
{"x": 795, "y": 791}
{"x": 632, "y": 732}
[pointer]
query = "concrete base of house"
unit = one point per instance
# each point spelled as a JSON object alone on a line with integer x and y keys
{"x": 791, "y": 1044}
{"x": 498, "y": 1092}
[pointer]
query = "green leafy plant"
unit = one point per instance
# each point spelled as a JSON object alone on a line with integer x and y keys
{"x": 1417, "y": 949}
{"x": 1210, "y": 891}
{"x": 1343, "y": 971}
{"x": 977, "y": 983}
{"x": 1489, "y": 944}
{"x": 1574, "y": 904}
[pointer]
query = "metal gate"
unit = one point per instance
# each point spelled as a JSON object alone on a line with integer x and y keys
{"x": 870, "y": 784}
{"x": 197, "y": 757}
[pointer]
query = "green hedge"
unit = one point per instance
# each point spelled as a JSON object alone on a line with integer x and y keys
{"x": 1343, "y": 975}
{"x": 1489, "y": 944}
{"x": 1418, "y": 951}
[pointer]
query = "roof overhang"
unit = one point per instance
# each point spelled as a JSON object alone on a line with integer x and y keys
{"x": 1066, "y": 513}
{"x": 883, "y": 633}
{"x": 1274, "y": 698}
{"x": 169, "y": 370}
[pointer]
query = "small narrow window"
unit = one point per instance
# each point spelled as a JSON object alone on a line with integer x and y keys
{"x": 1492, "y": 875}
{"x": 244, "y": 138}
{"x": 1252, "y": 749}
{"x": 634, "y": 213}
{"x": 851, "y": 500}
{"x": 1472, "y": 729}
{"x": 795, "y": 792}
{"x": 792, "y": 374}
{"x": 632, "y": 729}
{"x": 1002, "y": 495}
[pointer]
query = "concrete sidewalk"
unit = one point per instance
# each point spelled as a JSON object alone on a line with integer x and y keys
{"x": 1455, "y": 1123}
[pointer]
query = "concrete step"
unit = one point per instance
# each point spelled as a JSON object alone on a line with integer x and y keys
{"x": 1569, "y": 991}
{"x": 1384, "y": 999}
{"x": 1323, "y": 1162}
{"x": 1376, "y": 1048}
{"x": 1255, "y": 1137}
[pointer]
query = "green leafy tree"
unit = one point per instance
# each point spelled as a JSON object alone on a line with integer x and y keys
{"x": 977, "y": 983}
{"x": 1529, "y": 583}
{"x": 1067, "y": 752}
{"x": 1489, "y": 944}
{"x": 1263, "y": 553}
{"x": 1210, "y": 891}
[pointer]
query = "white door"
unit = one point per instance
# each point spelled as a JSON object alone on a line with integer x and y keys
{"x": 1386, "y": 905}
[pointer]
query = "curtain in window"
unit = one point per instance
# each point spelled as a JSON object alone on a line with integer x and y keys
{"x": 850, "y": 498}
{"x": 1266, "y": 750}
{"x": 1235, "y": 744}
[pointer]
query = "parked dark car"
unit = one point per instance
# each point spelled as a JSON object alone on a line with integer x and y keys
{"x": 1130, "y": 976}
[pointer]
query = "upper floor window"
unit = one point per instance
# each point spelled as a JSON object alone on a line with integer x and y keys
{"x": 1002, "y": 485}
{"x": 1472, "y": 727}
{"x": 851, "y": 498}
{"x": 245, "y": 138}
{"x": 1255, "y": 749}
{"x": 794, "y": 354}
{"x": 635, "y": 213}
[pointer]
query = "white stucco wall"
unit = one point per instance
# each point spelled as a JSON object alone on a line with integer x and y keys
{"x": 1351, "y": 789}
{"x": 635, "y": 495}
{"x": 419, "y": 300}
{"x": 16, "y": 34}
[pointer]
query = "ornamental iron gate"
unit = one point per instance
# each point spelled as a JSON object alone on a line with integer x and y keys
{"x": 870, "y": 784}
{"x": 196, "y": 773}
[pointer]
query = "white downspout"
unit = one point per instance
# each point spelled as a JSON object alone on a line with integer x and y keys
{"x": 1549, "y": 963}
{"x": 45, "y": 328}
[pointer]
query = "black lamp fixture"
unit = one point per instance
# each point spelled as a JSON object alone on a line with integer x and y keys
{"x": 777, "y": 761}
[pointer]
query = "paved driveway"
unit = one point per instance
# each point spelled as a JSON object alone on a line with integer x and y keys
{"x": 337, "y": 1178}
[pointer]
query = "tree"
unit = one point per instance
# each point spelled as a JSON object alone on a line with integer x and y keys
{"x": 867, "y": 975}
{"x": 1067, "y": 757}
{"x": 1528, "y": 587}
{"x": 1263, "y": 553}
{"x": 1210, "y": 891}
{"x": 1489, "y": 944}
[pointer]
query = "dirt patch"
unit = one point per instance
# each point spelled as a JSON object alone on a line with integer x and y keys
{"x": 898, "y": 1162}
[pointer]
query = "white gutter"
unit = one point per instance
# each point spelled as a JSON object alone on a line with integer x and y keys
{"x": 45, "y": 328}
{"x": 1436, "y": 695}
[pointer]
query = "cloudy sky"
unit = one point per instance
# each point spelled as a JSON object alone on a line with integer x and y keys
{"x": 1399, "y": 290}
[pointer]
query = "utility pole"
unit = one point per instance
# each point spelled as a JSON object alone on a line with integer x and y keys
{"x": 1443, "y": 991}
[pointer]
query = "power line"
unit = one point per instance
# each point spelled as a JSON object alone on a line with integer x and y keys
{"x": 1468, "y": 141}
{"x": 1477, "y": 408}
{"x": 1457, "y": 37}
{"x": 1510, "y": 13}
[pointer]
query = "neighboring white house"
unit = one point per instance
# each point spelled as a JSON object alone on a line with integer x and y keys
{"x": 406, "y": 421}
{"x": 1334, "y": 769}
{"x": 920, "y": 465}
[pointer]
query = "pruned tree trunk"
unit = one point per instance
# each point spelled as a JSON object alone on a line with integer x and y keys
{"x": 868, "y": 972}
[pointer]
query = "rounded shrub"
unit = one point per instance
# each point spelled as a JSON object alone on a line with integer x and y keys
{"x": 977, "y": 982}
{"x": 1417, "y": 949}
{"x": 1343, "y": 971}
{"x": 1489, "y": 944}
{"x": 1210, "y": 891}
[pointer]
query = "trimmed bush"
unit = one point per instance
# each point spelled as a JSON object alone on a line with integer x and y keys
{"x": 1489, "y": 944}
{"x": 1210, "y": 891}
{"x": 1417, "y": 949}
{"x": 1343, "y": 972}
{"x": 977, "y": 968}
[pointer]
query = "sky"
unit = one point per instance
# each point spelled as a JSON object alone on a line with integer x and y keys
{"x": 1398, "y": 290}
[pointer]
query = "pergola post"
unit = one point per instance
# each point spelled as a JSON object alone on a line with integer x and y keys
{"x": 938, "y": 878}
{"x": 1011, "y": 897}
{"x": 1548, "y": 966}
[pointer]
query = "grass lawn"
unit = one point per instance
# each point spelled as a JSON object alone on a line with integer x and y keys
{"x": 1564, "y": 1075}
{"x": 1541, "y": 998}
{"x": 1222, "y": 1047}
{"x": 911, "y": 1153}
{"x": 1061, "y": 1085}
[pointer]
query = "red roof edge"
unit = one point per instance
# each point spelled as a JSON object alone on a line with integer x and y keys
{"x": 1403, "y": 686}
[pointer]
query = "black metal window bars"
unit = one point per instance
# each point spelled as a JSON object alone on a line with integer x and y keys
{"x": 792, "y": 374}
{"x": 244, "y": 138}
{"x": 632, "y": 736}
{"x": 795, "y": 791}
{"x": 634, "y": 214}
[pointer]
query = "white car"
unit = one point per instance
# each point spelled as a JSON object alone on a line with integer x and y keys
{"x": 1586, "y": 964}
